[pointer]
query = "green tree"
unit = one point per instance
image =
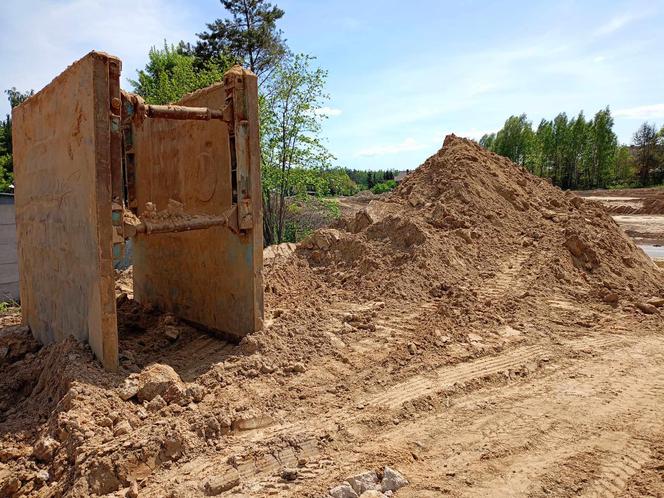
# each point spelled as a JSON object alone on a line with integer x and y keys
{"x": 646, "y": 144}
{"x": 337, "y": 182}
{"x": 291, "y": 149}
{"x": 170, "y": 74}
{"x": 573, "y": 153}
{"x": 15, "y": 97}
{"x": 6, "y": 176}
{"x": 576, "y": 143}
{"x": 514, "y": 140}
{"x": 383, "y": 187}
{"x": 487, "y": 140}
{"x": 250, "y": 37}
{"x": 603, "y": 145}
{"x": 542, "y": 151}
{"x": 625, "y": 167}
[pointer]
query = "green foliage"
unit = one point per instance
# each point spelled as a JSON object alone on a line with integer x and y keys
{"x": 171, "y": 73}
{"x": 293, "y": 157}
{"x": 487, "y": 140}
{"x": 9, "y": 307}
{"x": 365, "y": 180}
{"x": 15, "y": 97}
{"x": 6, "y": 175}
{"x": 381, "y": 188}
{"x": 515, "y": 139}
{"x": 625, "y": 169}
{"x": 337, "y": 182}
{"x": 250, "y": 37}
{"x": 649, "y": 154}
{"x": 574, "y": 153}
{"x": 306, "y": 214}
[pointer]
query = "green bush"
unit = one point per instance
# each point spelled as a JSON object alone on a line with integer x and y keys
{"x": 6, "y": 176}
{"x": 306, "y": 214}
{"x": 381, "y": 188}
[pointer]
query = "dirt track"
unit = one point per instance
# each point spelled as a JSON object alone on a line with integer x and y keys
{"x": 576, "y": 415}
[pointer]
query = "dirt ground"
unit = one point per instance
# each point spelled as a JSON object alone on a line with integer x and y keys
{"x": 640, "y": 212}
{"x": 629, "y": 200}
{"x": 478, "y": 331}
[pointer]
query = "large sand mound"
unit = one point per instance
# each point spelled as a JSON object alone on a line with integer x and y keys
{"x": 460, "y": 215}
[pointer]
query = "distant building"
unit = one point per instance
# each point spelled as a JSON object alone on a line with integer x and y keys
{"x": 8, "y": 255}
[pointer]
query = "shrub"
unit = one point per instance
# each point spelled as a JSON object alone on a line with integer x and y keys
{"x": 381, "y": 188}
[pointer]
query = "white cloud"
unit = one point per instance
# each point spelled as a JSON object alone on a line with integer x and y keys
{"x": 327, "y": 111}
{"x": 408, "y": 145}
{"x": 651, "y": 111}
{"x": 54, "y": 34}
{"x": 599, "y": 58}
{"x": 616, "y": 23}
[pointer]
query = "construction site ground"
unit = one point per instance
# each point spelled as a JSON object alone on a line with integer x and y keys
{"x": 479, "y": 331}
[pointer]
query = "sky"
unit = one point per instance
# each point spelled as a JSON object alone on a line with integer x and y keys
{"x": 401, "y": 75}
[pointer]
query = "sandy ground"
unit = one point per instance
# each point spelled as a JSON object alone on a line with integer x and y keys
{"x": 646, "y": 224}
{"x": 567, "y": 411}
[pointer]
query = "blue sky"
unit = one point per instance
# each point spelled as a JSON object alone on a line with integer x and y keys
{"x": 401, "y": 74}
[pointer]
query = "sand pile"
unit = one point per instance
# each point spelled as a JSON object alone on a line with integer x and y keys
{"x": 469, "y": 252}
{"x": 460, "y": 217}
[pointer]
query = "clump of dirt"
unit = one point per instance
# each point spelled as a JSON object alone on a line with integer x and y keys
{"x": 467, "y": 256}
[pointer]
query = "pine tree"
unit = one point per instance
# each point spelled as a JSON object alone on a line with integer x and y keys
{"x": 250, "y": 37}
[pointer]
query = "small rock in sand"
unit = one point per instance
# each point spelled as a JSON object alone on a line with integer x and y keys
{"x": 289, "y": 474}
{"x": 122, "y": 428}
{"x": 343, "y": 491}
{"x": 157, "y": 379}
{"x": 610, "y": 298}
{"x": 373, "y": 493}
{"x": 657, "y": 302}
{"x": 392, "y": 480}
{"x": 223, "y": 482}
{"x": 129, "y": 389}
{"x": 132, "y": 492}
{"x": 364, "y": 482}
{"x": 45, "y": 448}
{"x": 156, "y": 404}
{"x": 646, "y": 308}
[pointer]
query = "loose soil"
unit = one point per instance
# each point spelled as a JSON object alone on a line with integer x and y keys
{"x": 640, "y": 212}
{"x": 477, "y": 329}
{"x": 629, "y": 201}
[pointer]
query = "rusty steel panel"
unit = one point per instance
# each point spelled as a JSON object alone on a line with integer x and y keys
{"x": 211, "y": 277}
{"x": 63, "y": 161}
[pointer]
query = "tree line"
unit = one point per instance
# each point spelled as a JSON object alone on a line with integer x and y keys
{"x": 6, "y": 159}
{"x": 366, "y": 180}
{"x": 580, "y": 153}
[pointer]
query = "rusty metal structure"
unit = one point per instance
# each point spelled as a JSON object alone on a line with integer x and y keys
{"x": 96, "y": 166}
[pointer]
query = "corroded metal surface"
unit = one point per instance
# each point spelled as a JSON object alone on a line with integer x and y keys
{"x": 62, "y": 156}
{"x": 211, "y": 277}
{"x": 88, "y": 158}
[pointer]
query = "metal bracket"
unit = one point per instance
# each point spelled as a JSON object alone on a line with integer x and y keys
{"x": 171, "y": 223}
{"x": 134, "y": 111}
